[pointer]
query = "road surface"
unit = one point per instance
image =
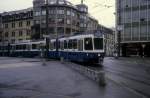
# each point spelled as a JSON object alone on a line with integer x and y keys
{"x": 27, "y": 78}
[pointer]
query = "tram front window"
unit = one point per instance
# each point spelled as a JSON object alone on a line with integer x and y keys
{"x": 88, "y": 44}
{"x": 98, "y": 43}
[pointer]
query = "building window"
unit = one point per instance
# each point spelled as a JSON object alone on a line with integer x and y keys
{"x": 13, "y": 41}
{"x": 37, "y": 13}
{"x": 20, "y": 33}
{"x": 51, "y": 20}
{"x": 6, "y": 34}
{"x": 6, "y": 25}
{"x": 28, "y": 32}
{"x": 20, "y": 40}
{"x": 13, "y": 25}
{"x": 60, "y": 21}
{"x": 81, "y": 25}
{"x": 28, "y": 23}
{"x": 60, "y": 11}
{"x": 60, "y": 30}
{"x": 20, "y": 24}
{"x": 61, "y": 2}
{"x": 68, "y": 21}
{"x": 43, "y": 21}
{"x": 43, "y": 12}
{"x": 68, "y": 13}
{"x": 37, "y": 22}
{"x": 51, "y": 11}
{"x": 73, "y": 14}
{"x": 13, "y": 34}
{"x": 52, "y": 2}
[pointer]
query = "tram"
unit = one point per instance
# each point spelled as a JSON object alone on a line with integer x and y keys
{"x": 85, "y": 48}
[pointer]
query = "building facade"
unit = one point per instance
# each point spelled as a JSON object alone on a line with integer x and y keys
{"x": 16, "y": 25}
{"x": 134, "y": 18}
{"x": 92, "y": 24}
{"x": 1, "y": 29}
{"x": 64, "y": 18}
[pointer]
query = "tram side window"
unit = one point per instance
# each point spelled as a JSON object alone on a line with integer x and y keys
{"x": 70, "y": 44}
{"x": 65, "y": 44}
{"x": 51, "y": 45}
{"x": 80, "y": 45}
{"x": 20, "y": 47}
{"x": 34, "y": 46}
{"x": 17, "y": 47}
{"x": 38, "y": 46}
{"x": 28, "y": 47}
{"x": 62, "y": 45}
{"x": 24, "y": 47}
{"x": 98, "y": 43}
{"x": 54, "y": 43}
{"x": 13, "y": 47}
{"x": 74, "y": 44}
{"x": 6, "y": 47}
{"x": 88, "y": 44}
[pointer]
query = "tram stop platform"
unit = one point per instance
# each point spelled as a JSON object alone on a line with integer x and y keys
{"x": 28, "y": 78}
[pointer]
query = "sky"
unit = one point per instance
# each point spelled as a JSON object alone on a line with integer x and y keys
{"x": 102, "y": 10}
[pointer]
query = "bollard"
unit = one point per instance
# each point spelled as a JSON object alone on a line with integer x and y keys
{"x": 101, "y": 78}
{"x": 62, "y": 60}
{"x": 43, "y": 62}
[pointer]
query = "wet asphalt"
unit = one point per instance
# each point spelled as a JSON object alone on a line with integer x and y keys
{"x": 28, "y": 78}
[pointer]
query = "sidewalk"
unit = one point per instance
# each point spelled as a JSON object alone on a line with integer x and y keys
{"x": 32, "y": 80}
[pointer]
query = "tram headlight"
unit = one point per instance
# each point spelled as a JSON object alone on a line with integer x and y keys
{"x": 99, "y": 54}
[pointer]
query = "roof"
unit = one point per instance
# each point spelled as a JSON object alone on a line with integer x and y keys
{"x": 17, "y": 11}
{"x": 61, "y": 2}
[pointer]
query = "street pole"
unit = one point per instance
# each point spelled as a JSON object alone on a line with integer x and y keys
{"x": 119, "y": 28}
{"x": 47, "y": 30}
{"x": 119, "y": 40}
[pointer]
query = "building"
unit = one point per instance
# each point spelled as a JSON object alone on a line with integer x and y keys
{"x": 64, "y": 18}
{"x": 92, "y": 24}
{"x": 16, "y": 25}
{"x": 134, "y": 18}
{"x": 1, "y": 29}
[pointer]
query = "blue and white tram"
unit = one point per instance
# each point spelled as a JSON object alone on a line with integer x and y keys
{"x": 26, "y": 49}
{"x": 4, "y": 50}
{"x": 87, "y": 48}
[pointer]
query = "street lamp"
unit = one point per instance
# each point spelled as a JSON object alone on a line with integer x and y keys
{"x": 47, "y": 30}
{"x": 119, "y": 29}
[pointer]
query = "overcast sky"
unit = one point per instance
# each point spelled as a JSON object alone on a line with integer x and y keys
{"x": 103, "y": 10}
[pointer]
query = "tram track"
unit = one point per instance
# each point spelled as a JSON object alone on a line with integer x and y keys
{"x": 126, "y": 76}
{"x": 141, "y": 78}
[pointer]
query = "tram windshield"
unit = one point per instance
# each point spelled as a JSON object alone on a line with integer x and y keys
{"x": 88, "y": 44}
{"x": 98, "y": 43}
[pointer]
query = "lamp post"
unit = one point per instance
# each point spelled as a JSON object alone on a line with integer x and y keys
{"x": 119, "y": 29}
{"x": 47, "y": 30}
